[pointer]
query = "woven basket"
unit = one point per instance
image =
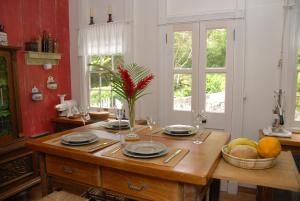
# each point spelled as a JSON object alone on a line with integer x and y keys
{"x": 259, "y": 163}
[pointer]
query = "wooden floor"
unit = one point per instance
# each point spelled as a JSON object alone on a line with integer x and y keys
{"x": 36, "y": 194}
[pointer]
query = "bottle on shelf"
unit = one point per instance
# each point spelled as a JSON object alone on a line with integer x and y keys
{"x": 50, "y": 43}
{"x": 39, "y": 43}
{"x": 55, "y": 45}
{"x": 44, "y": 41}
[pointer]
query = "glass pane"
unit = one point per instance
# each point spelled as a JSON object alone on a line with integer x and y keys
{"x": 94, "y": 98}
{"x": 298, "y": 59}
{"x": 216, "y": 47}
{"x": 5, "y": 122}
{"x": 94, "y": 80}
{"x": 182, "y": 49}
{"x": 215, "y": 92}
{"x": 297, "y": 110}
{"x": 105, "y": 61}
{"x": 182, "y": 92}
{"x": 118, "y": 60}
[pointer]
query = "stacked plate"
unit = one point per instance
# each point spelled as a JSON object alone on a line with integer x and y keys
{"x": 180, "y": 130}
{"x": 145, "y": 149}
{"x": 77, "y": 139}
{"x": 123, "y": 124}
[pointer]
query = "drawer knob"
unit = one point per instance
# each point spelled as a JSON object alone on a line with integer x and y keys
{"x": 68, "y": 170}
{"x": 136, "y": 187}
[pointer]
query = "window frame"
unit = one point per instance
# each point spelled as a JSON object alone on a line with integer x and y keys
{"x": 218, "y": 120}
{"x": 290, "y": 69}
{"x": 183, "y": 71}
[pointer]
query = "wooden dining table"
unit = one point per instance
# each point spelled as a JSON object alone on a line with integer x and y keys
{"x": 189, "y": 179}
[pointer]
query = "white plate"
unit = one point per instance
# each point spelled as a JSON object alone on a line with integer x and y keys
{"x": 180, "y": 130}
{"x": 124, "y": 124}
{"x": 145, "y": 148}
{"x": 79, "y": 137}
{"x": 125, "y": 152}
{"x": 78, "y": 144}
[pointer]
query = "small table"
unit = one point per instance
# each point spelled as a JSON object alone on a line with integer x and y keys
{"x": 65, "y": 123}
{"x": 289, "y": 144}
{"x": 284, "y": 175}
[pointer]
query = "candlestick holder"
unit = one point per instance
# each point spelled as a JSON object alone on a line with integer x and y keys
{"x": 109, "y": 18}
{"x": 91, "y": 20}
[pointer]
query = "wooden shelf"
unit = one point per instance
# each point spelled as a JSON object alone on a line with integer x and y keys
{"x": 22, "y": 185}
{"x": 41, "y": 58}
{"x": 9, "y": 47}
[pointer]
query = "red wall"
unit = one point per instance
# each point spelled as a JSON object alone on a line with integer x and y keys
{"x": 23, "y": 20}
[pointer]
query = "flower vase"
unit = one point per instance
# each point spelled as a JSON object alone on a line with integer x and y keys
{"x": 131, "y": 108}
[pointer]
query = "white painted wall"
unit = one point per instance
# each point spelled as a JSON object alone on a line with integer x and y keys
{"x": 263, "y": 39}
{"x": 263, "y": 21}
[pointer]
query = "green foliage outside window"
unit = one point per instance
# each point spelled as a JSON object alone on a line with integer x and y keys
{"x": 100, "y": 84}
{"x": 298, "y": 83}
{"x": 216, "y": 57}
{"x": 216, "y": 47}
{"x": 182, "y": 47}
{"x": 182, "y": 85}
{"x": 215, "y": 83}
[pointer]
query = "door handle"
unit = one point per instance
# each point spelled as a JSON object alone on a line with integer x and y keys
{"x": 68, "y": 170}
{"x": 135, "y": 187}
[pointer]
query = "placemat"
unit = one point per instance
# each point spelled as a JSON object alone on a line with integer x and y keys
{"x": 158, "y": 132}
{"x": 157, "y": 161}
{"x": 101, "y": 143}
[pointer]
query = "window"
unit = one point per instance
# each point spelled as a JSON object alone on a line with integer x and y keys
{"x": 182, "y": 51}
{"x": 297, "y": 107}
{"x": 215, "y": 71}
{"x": 200, "y": 71}
{"x": 100, "y": 91}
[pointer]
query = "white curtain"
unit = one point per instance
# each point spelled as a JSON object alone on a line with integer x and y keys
{"x": 103, "y": 39}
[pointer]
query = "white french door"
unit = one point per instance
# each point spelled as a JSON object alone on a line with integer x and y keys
{"x": 199, "y": 72}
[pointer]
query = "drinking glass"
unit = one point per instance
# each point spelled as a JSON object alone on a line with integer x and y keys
{"x": 119, "y": 112}
{"x": 131, "y": 133}
{"x": 199, "y": 119}
{"x": 151, "y": 123}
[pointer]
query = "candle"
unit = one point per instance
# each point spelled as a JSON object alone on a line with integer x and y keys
{"x": 91, "y": 12}
{"x": 109, "y": 9}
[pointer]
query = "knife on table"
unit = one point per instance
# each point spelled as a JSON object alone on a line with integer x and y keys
{"x": 173, "y": 156}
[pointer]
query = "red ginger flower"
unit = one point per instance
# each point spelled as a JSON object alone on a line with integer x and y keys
{"x": 128, "y": 83}
{"x": 144, "y": 82}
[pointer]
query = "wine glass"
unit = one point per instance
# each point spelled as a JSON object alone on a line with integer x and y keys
{"x": 199, "y": 119}
{"x": 119, "y": 112}
{"x": 151, "y": 123}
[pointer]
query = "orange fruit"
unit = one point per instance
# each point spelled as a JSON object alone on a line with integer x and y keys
{"x": 268, "y": 147}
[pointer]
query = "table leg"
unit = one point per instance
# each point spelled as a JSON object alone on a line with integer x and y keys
{"x": 43, "y": 173}
{"x": 264, "y": 194}
{"x": 214, "y": 192}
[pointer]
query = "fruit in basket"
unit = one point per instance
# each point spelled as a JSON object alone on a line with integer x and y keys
{"x": 268, "y": 147}
{"x": 241, "y": 141}
{"x": 244, "y": 151}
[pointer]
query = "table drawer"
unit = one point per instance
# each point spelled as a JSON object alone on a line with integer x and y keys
{"x": 75, "y": 170}
{"x": 140, "y": 186}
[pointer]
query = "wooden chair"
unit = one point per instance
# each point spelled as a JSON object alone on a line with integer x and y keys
{"x": 63, "y": 196}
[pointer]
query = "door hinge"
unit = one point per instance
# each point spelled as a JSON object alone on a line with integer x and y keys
{"x": 166, "y": 38}
{"x": 234, "y": 34}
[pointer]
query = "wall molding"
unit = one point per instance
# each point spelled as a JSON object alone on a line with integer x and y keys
{"x": 164, "y": 18}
